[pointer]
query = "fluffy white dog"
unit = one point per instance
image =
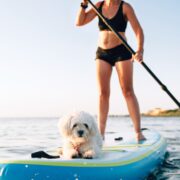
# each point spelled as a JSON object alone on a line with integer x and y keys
{"x": 80, "y": 135}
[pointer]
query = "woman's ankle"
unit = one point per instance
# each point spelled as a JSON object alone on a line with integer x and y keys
{"x": 140, "y": 136}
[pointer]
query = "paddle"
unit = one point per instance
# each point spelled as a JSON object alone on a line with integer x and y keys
{"x": 133, "y": 52}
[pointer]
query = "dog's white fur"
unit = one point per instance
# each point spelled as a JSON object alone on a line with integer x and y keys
{"x": 80, "y": 135}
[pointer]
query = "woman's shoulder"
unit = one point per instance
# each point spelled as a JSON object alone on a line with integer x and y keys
{"x": 98, "y": 4}
{"x": 127, "y": 7}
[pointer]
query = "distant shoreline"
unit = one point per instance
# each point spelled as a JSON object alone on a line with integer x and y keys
{"x": 157, "y": 112}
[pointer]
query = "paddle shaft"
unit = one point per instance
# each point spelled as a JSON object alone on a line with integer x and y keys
{"x": 133, "y": 52}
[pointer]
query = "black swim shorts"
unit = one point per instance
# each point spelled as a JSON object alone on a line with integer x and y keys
{"x": 113, "y": 55}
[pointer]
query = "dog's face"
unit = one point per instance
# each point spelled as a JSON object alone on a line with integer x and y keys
{"x": 78, "y": 127}
{"x": 80, "y": 131}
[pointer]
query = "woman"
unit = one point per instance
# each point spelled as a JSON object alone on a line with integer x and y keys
{"x": 111, "y": 52}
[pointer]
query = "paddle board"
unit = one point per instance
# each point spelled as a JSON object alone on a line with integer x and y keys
{"x": 124, "y": 160}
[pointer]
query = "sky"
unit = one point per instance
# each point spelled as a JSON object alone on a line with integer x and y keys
{"x": 47, "y": 65}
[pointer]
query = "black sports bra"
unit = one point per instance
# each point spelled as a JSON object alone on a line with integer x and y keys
{"x": 118, "y": 22}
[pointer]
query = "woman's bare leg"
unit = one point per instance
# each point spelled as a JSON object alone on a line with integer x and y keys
{"x": 103, "y": 72}
{"x": 125, "y": 75}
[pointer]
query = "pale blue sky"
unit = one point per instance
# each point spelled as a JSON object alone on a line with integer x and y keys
{"x": 47, "y": 64}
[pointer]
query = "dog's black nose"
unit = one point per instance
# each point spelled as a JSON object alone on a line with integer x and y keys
{"x": 80, "y": 133}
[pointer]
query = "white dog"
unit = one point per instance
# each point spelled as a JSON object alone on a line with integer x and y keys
{"x": 81, "y": 136}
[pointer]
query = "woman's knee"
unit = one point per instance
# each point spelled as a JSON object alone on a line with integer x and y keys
{"x": 104, "y": 94}
{"x": 128, "y": 92}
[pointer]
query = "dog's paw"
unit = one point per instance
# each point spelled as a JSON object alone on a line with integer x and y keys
{"x": 89, "y": 154}
{"x": 75, "y": 156}
{"x": 70, "y": 154}
{"x": 88, "y": 157}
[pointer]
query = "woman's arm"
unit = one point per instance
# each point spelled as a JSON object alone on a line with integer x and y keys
{"x": 130, "y": 15}
{"x": 84, "y": 17}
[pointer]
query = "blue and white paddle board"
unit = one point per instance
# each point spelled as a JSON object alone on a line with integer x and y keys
{"x": 124, "y": 160}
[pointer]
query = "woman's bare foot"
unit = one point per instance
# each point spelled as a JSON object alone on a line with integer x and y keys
{"x": 140, "y": 136}
{"x": 103, "y": 137}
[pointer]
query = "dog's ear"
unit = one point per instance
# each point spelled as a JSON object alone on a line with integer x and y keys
{"x": 65, "y": 125}
{"x": 94, "y": 129}
{"x": 95, "y": 132}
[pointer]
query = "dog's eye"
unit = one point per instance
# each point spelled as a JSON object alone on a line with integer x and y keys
{"x": 86, "y": 126}
{"x": 74, "y": 125}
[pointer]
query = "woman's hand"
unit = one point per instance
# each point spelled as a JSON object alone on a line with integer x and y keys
{"x": 85, "y": 2}
{"x": 138, "y": 56}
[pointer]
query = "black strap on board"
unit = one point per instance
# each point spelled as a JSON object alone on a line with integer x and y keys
{"x": 42, "y": 154}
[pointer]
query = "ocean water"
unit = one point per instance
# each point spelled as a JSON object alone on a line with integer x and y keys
{"x": 19, "y": 137}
